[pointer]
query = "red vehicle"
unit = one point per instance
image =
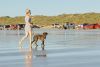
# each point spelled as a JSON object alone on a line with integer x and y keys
{"x": 91, "y": 26}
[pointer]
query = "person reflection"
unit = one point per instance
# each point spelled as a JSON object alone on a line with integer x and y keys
{"x": 27, "y": 56}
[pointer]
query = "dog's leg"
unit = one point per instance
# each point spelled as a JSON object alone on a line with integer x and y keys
{"x": 42, "y": 45}
{"x": 36, "y": 43}
{"x": 32, "y": 41}
{"x": 43, "y": 42}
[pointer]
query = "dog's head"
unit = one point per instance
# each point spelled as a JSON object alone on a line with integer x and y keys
{"x": 45, "y": 33}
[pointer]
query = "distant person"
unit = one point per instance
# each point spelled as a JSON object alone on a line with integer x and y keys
{"x": 28, "y": 28}
{"x": 67, "y": 25}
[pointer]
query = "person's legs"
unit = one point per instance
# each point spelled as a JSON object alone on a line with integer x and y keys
{"x": 23, "y": 38}
{"x": 30, "y": 38}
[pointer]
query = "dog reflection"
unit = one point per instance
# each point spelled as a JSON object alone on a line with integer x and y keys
{"x": 40, "y": 53}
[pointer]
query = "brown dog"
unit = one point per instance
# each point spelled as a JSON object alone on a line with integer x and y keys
{"x": 41, "y": 37}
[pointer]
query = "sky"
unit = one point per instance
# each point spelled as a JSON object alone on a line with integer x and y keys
{"x": 15, "y": 8}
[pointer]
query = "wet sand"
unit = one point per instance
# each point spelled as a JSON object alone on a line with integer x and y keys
{"x": 66, "y": 57}
{"x": 63, "y": 51}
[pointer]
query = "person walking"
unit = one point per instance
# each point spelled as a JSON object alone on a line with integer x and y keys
{"x": 28, "y": 28}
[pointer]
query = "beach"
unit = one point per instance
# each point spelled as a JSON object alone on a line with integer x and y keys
{"x": 63, "y": 48}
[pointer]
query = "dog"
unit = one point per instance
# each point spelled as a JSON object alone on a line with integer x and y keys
{"x": 41, "y": 37}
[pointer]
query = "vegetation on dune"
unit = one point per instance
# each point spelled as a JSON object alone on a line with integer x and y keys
{"x": 48, "y": 20}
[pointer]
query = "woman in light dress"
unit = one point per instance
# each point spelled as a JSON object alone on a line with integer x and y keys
{"x": 28, "y": 28}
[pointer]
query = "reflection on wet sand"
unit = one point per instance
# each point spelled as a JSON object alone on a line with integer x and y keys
{"x": 31, "y": 54}
{"x": 40, "y": 53}
{"x": 28, "y": 55}
{"x": 28, "y": 58}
